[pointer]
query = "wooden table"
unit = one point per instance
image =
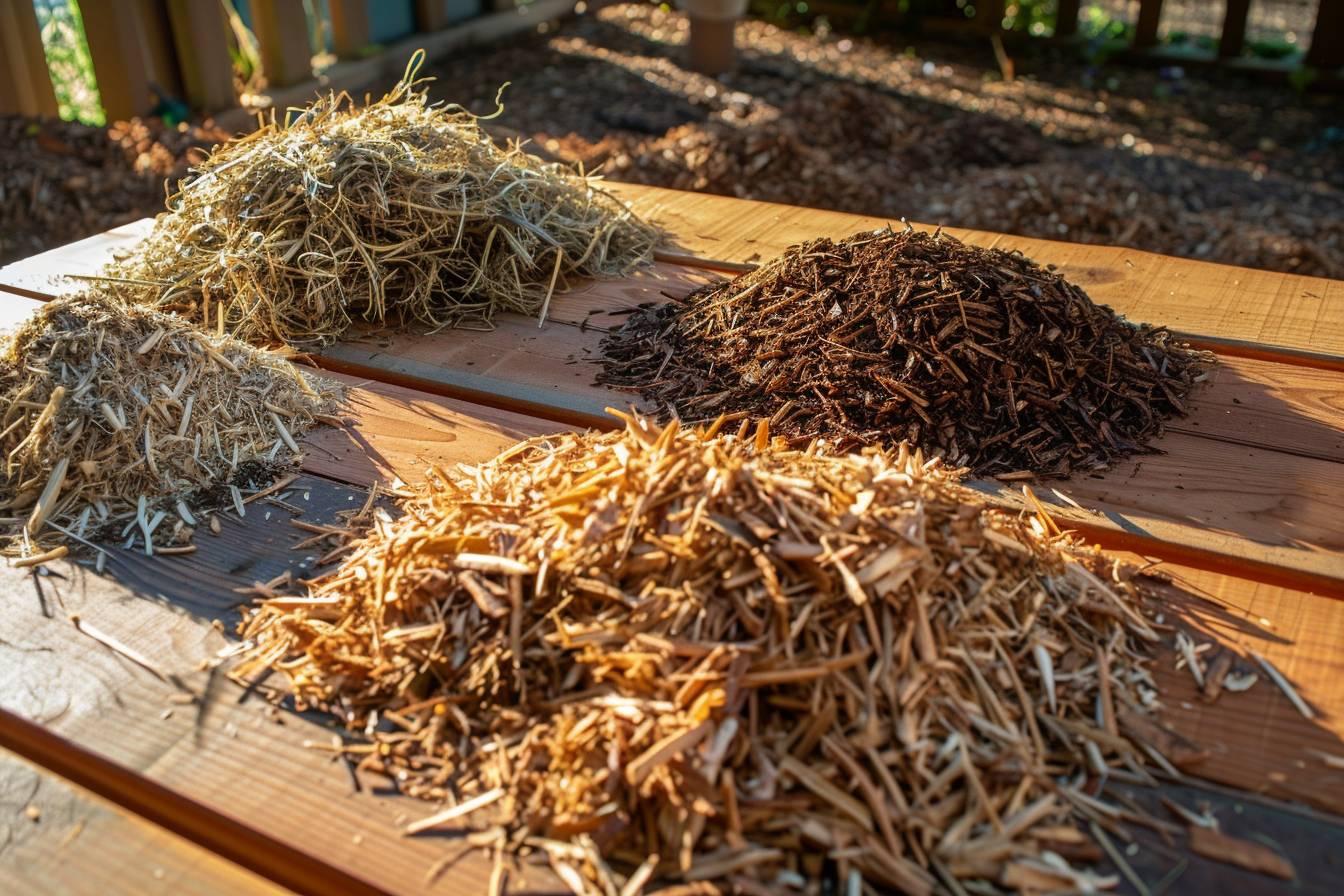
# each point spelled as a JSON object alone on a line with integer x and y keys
{"x": 1242, "y": 510}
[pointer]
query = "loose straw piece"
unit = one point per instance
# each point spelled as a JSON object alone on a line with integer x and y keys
{"x": 461, "y": 810}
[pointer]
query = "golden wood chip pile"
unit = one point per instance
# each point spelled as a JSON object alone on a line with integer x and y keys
{"x": 117, "y": 414}
{"x": 979, "y": 355}
{"x": 670, "y": 654}
{"x": 398, "y": 210}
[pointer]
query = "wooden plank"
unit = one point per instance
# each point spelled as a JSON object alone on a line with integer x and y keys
{"x": 224, "y": 770}
{"x": 1265, "y": 746}
{"x": 1327, "y": 37}
{"x": 349, "y": 27}
{"x": 121, "y": 59}
{"x": 1234, "y": 29}
{"x": 1066, "y": 18}
{"x": 281, "y": 27}
{"x": 25, "y": 82}
{"x": 59, "y": 838}
{"x": 201, "y": 34}
{"x": 243, "y": 764}
{"x": 1145, "y": 30}
{"x": 1227, "y": 307}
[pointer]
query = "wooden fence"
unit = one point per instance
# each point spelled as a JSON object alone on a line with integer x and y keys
{"x": 181, "y": 47}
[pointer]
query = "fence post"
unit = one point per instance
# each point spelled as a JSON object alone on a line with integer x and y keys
{"x": 349, "y": 26}
{"x": 710, "y": 48}
{"x": 1145, "y": 31}
{"x": 430, "y": 15}
{"x": 156, "y": 31}
{"x": 25, "y": 82}
{"x": 120, "y": 60}
{"x": 989, "y": 16}
{"x": 1066, "y": 18}
{"x": 1327, "y": 38}
{"x": 1234, "y": 29}
{"x": 201, "y": 33}
{"x": 281, "y": 28}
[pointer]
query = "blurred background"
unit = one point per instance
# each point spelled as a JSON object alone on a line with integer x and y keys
{"x": 1210, "y": 129}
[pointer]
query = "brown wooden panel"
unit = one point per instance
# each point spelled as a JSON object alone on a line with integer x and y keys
{"x": 256, "y": 768}
{"x": 281, "y": 28}
{"x": 25, "y": 82}
{"x": 1327, "y": 38}
{"x": 1066, "y": 18}
{"x": 1234, "y": 28}
{"x": 201, "y": 35}
{"x": 119, "y": 47}
{"x": 241, "y": 760}
{"x": 1145, "y": 30}
{"x": 62, "y": 839}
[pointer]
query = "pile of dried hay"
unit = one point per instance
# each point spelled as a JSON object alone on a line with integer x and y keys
{"x": 980, "y": 355}
{"x": 397, "y": 210}
{"x": 679, "y": 655}
{"x": 116, "y": 415}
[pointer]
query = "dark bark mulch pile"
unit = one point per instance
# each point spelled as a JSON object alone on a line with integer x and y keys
{"x": 978, "y": 355}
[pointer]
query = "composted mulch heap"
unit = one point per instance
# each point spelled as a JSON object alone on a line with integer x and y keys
{"x": 116, "y": 416}
{"x": 400, "y": 210}
{"x": 681, "y": 655}
{"x": 979, "y": 355}
{"x": 61, "y": 180}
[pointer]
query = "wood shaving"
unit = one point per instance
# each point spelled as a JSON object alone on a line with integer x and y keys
{"x": 621, "y": 639}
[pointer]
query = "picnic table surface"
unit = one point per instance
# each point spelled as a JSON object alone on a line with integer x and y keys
{"x": 1241, "y": 510}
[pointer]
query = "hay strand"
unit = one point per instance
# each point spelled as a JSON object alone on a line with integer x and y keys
{"x": 398, "y": 211}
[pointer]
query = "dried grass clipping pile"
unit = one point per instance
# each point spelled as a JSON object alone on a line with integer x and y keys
{"x": 677, "y": 655}
{"x": 116, "y": 414}
{"x": 979, "y": 355}
{"x": 397, "y": 210}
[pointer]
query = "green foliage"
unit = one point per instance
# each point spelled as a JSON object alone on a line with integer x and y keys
{"x": 68, "y": 60}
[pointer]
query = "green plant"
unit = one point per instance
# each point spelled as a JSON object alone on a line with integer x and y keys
{"x": 67, "y": 50}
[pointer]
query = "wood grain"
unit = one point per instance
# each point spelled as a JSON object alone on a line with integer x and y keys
{"x": 1230, "y": 306}
{"x": 1219, "y": 500}
{"x": 81, "y": 845}
{"x": 241, "y": 760}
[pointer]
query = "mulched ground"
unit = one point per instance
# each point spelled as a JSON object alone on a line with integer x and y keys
{"x": 61, "y": 181}
{"x": 1222, "y": 169}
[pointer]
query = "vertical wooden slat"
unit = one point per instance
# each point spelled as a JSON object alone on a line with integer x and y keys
{"x": 1327, "y": 38}
{"x": 281, "y": 28}
{"x": 1145, "y": 31}
{"x": 1234, "y": 29}
{"x": 431, "y": 15}
{"x": 201, "y": 33}
{"x": 25, "y": 82}
{"x": 349, "y": 26}
{"x": 120, "y": 61}
{"x": 156, "y": 31}
{"x": 989, "y": 15}
{"x": 1066, "y": 18}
